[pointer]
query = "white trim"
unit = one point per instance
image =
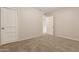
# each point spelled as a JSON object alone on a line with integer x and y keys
{"x": 26, "y": 38}
{"x": 67, "y": 37}
{"x": 13, "y": 8}
{"x": 32, "y": 37}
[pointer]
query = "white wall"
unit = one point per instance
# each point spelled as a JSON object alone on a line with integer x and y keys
{"x": 30, "y": 23}
{"x": 0, "y": 25}
{"x": 67, "y": 23}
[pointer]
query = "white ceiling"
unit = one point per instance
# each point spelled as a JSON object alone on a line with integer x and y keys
{"x": 45, "y": 10}
{"x": 48, "y": 9}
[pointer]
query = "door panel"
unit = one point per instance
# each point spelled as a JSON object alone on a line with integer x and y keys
{"x": 8, "y": 25}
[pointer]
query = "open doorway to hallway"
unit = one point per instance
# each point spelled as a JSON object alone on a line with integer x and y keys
{"x": 48, "y": 25}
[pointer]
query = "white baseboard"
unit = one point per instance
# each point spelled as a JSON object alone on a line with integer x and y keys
{"x": 26, "y": 38}
{"x": 67, "y": 37}
{"x": 34, "y": 36}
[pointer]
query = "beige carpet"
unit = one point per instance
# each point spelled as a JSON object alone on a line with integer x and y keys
{"x": 45, "y": 43}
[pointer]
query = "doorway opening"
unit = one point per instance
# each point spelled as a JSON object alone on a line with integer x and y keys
{"x": 48, "y": 25}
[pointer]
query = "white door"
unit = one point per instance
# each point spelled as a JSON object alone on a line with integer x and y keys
{"x": 8, "y": 25}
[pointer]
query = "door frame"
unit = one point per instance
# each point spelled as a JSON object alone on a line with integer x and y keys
{"x": 44, "y": 17}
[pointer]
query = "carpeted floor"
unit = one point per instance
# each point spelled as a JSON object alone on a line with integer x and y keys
{"x": 45, "y": 43}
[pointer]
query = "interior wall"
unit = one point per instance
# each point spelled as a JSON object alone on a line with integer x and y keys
{"x": 30, "y": 22}
{"x": 0, "y": 25}
{"x": 67, "y": 23}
